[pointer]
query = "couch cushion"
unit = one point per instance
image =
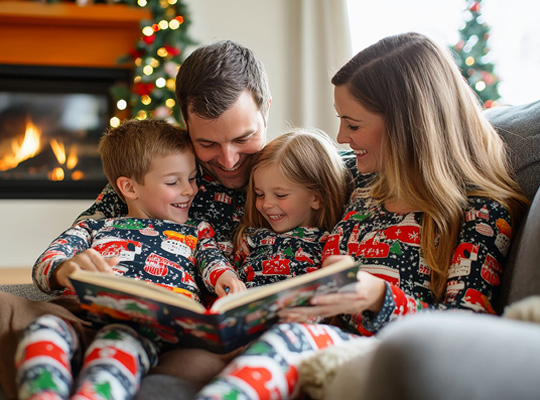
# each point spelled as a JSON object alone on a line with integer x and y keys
{"x": 522, "y": 273}
{"x": 519, "y": 126}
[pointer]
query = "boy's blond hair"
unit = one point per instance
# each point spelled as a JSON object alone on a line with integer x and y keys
{"x": 129, "y": 149}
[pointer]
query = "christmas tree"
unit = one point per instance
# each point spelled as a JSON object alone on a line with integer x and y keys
{"x": 156, "y": 58}
{"x": 471, "y": 54}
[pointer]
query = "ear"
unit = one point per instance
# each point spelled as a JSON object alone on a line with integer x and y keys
{"x": 316, "y": 202}
{"x": 267, "y": 111}
{"x": 127, "y": 187}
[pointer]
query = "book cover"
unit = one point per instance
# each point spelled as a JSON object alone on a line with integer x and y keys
{"x": 232, "y": 321}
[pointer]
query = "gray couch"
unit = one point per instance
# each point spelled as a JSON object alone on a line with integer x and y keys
{"x": 406, "y": 361}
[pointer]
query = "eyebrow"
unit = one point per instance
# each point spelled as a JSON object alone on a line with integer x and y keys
{"x": 346, "y": 116}
{"x": 350, "y": 118}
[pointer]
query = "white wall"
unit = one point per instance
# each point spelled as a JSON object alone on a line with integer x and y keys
{"x": 260, "y": 25}
{"x": 28, "y": 226}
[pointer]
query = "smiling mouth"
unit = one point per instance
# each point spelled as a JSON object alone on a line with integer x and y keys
{"x": 229, "y": 169}
{"x": 182, "y": 206}
{"x": 275, "y": 217}
{"x": 233, "y": 169}
{"x": 360, "y": 152}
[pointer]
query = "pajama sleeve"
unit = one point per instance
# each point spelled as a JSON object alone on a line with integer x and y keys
{"x": 210, "y": 256}
{"x": 73, "y": 241}
{"x": 474, "y": 276}
{"x": 107, "y": 205}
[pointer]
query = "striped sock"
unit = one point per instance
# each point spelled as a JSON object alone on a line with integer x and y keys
{"x": 114, "y": 364}
{"x": 43, "y": 359}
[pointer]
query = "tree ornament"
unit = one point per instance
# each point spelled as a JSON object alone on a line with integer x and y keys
{"x": 156, "y": 57}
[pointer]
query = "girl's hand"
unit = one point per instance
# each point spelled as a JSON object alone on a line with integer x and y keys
{"x": 89, "y": 260}
{"x": 229, "y": 280}
{"x": 366, "y": 294}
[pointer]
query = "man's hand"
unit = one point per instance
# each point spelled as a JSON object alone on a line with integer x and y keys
{"x": 229, "y": 280}
{"x": 88, "y": 260}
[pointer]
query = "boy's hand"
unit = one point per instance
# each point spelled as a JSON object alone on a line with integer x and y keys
{"x": 89, "y": 260}
{"x": 229, "y": 280}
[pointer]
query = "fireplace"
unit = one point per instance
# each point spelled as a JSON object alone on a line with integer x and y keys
{"x": 51, "y": 119}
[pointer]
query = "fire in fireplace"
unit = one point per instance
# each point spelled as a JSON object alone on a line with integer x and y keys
{"x": 51, "y": 119}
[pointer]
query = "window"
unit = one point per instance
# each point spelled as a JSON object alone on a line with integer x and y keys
{"x": 514, "y": 37}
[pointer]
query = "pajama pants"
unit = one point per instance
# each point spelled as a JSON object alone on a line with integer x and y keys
{"x": 268, "y": 368}
{"x": 196, "y": 366}
{"x": 49, "y": 355}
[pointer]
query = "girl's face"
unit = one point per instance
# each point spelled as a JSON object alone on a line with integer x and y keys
{"x": 285, "y": 205}
{"x": 362, "y": 130}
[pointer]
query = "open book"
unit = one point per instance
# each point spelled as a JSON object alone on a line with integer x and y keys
{"x": 232, "y": 321}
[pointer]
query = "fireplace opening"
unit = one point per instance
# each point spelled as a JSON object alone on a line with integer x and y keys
{"x": 51, "y": 119}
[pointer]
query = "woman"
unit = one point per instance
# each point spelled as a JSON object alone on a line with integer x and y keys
{"x": 430, "y": 226}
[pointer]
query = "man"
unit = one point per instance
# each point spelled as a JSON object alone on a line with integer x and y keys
{"x": 223, "y": 93}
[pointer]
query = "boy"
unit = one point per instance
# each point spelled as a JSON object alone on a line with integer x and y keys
{"x": 151, "y": 166}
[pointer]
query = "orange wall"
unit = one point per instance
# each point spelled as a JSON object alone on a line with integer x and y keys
{"x": 64, "y": 34}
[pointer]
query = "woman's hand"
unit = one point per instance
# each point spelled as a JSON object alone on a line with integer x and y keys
{"x": 88, "y": 260}
{"x": 229, "y": 280}
{"x": 366, "y": 294}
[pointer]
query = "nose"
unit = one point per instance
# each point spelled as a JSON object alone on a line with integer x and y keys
{"x": 267, "y": 203}
{"x": 187, "y": 189}
{"x": 229, "y": 156}
{"x": 342, "y": 136}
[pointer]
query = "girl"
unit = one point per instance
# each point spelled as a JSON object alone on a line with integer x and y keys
{"x": 295, "y": 195}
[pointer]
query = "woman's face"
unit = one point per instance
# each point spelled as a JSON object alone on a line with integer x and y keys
{"x": 361, "y": 129}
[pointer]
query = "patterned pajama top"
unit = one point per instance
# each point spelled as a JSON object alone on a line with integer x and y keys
{"x": 266, "y": 257}
{"x": 162, "y": 252}
{"x": 388, "y": 246}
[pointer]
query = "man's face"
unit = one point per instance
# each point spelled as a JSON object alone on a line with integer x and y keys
{"x": 225, "y": 146}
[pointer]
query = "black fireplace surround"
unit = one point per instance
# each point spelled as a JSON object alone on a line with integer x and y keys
{"x": 70, "y": 108}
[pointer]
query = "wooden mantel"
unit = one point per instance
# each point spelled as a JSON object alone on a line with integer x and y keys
{"x": 64, "y": 34}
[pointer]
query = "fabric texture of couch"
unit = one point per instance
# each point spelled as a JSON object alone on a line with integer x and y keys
{"x": 468, "y": 356}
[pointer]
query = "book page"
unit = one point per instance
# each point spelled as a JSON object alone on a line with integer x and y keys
{"x": 137, "y": 288}
{"x": 237, "y": 299}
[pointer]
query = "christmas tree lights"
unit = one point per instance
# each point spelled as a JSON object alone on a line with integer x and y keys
{"x": 156, "y": 57}
{"x": 471, "y": 54}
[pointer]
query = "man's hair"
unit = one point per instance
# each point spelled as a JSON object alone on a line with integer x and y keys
{"x": 129, "y": 149}
{"x": 212, "y": 78}
{"x": 309, "y": 159}
{"x": 438, "y": 148}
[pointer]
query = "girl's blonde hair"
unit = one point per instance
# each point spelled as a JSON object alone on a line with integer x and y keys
{"x": 439, "y": 148}
{"x": 311, "y": 160}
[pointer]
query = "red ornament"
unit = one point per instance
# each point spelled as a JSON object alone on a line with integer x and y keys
{"x": 171, "y": 50}
{"x": 134, "y": 54}
{"x": 149, "y": 39}
{"x": 475, "y": 7}
{"x": 143, "y": 89}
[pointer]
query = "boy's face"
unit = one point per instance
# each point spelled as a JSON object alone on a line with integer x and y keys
{"x": 168, "y": 189}
{"x": 225, "y": 146}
